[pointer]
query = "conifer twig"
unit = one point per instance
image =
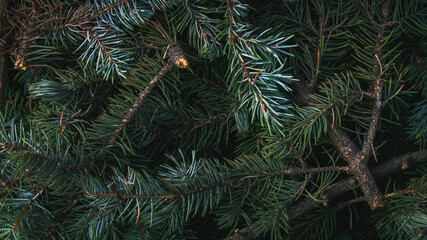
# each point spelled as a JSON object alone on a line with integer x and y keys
{"x": 357, "y": 158}
{"x": 377, "y": 91}
{"x": 402, "y": 162}
{"x": 340, "y": 206}
{"x": 176, "y": 58}
{"x": 235, "y": 181}
{"x": 349, "y": 151}
{"x": 25, "y": 210}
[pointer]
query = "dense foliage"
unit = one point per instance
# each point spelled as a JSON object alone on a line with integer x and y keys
{"x": 213, "y": 119}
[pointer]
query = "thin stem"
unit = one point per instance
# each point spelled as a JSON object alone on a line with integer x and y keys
{"x": 402, "y": 162}
{"x": 377, "y": 91}
{"x": 109, "y": 8}
{"x": 176, "y": 58}
{"x": 347, "y": 148}
{"x": 349, "y": 151}
{"x": 331, "y": 105}
{"x": 361, "y": 199}
{"x": 228, "y": 182}
{"x": 26, "y": 209}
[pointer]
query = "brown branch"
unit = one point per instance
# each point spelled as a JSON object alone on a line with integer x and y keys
{"x": 295, "y": 152}
{"x": 128, "y": 196}
{"x": 104, "y": 49}
{"x": 113, "y": 6}
{"x": 176, "y": 58}
{"x": 402, "y": 162}
{"x": 25, "y": 152}
{"x": 51, "y": 160}
{"x": 377, "y": 90}
{"x": 286, "y": 172}
{"x": 27, "y": 34}
{"x": 67, "y": 121}
{"x": 349, "y": 151}
{"x": 391, "y": 23}
{"x": 301, "y": 188}
{"x": 231, "y": 181}
{"x": 232, "y": 34}
{"x": 352, "y": 201}
{"x": 212, "y": 119}
{"x": 78, "y": 18}
{"x": 347, "y": 148}
{"x": 404, "y": 192}
{"x": 237, "y": 211}
{"x": 331, "y": 105}
{"x": 296, "y": 171}
{"x": 7, "y": 185}
{"x": 361, "y": 199}
{"x": 26, "y": 209}
{"x": 199, "y": 24}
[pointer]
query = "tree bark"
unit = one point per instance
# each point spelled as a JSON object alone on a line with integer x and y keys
{"x": 402, "y": 162}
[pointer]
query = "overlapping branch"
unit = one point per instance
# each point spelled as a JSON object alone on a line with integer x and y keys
{"x": 25, "y": 210}
{"x": 356, "y": 158}
{"x": 176, "y": 58}
{"x": 235, "y": 181}
{"x": 395, "y": 164}
{"x": 402, "y": 162}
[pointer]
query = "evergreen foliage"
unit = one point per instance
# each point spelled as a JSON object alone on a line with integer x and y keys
{"x": 213, "y": 119}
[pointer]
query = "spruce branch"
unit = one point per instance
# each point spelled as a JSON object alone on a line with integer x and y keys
{"x": 25, "y": 210}
{"x": 237, "y": 211}
{"x": 249, "y": 61}
{"x": 404, "y": 192}
{"x": 190, "y": 127}
{"x": 25, "y": 152}
{"x": 300, "y": 158}
{"x": 296, "y": 171}
{"x": 8, "y": 185}
{"x": 395, "y": 164}
{"x": 349, "y": 151}
{"x": 51, "y": 160}
{"x": 117, "y": 195}
{"x": 357, "y": 158}
{"x": 201, "y": 31}
{"x": 176, "y": 58}
{"x": 342, "y": 205}
{"x": 79, "y": 18}
{"x": 330, "y": 106}
{"x": 104, "y": 49}
{"x": 110, "y": 7}
{"x": 67, "y": 121}
{"x": 235, "y": 181}
{"x": 377, "y": 90}
{"x": 403, "y": 19}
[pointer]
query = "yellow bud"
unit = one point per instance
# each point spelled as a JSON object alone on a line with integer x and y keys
{"x": 182, "y": 62}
